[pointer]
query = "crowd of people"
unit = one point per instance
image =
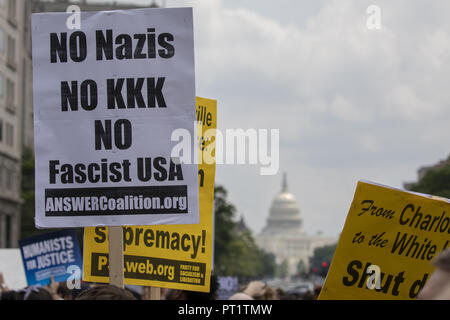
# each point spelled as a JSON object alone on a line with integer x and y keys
{"x": 436, "y": 288}
{"x": 255, "y": 290}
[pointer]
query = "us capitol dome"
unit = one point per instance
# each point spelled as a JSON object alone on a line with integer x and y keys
{"x": 284, "y": 213}
{"x": 283, "y": 235}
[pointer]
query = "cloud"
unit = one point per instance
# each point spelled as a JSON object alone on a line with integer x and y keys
{"x": 350, "y": 102}
{"x": 370, "y": 143}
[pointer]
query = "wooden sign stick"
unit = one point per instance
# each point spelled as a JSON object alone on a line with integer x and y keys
{"x": 116, "y": 256}
{"x": 155, "y": 293}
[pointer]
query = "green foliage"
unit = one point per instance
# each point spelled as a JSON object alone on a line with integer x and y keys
{"x": 223, "y": 224}
{"x": 435, "y": 182}
{"x": 28, "y": 228}
{"x": 27, "y": 216}
{"x": 235, "y": 252}
{"x": 322, "y": 255}
{"x": 301, "y": 267}
{"x": 282, "y": 269}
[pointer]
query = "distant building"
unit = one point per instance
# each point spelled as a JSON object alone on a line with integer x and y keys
{"x": 242, "y": 226}
{"x": 16, "y": 98}
{"x": 13, "y": 14}
{"x": 283, "y": 235}
{"x": 37, "y": 6}
{"x": 61, "y": 5}
{"x": 423, "y": 171}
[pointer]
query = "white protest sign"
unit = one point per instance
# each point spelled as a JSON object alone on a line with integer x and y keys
{"x": 12, "y": 268}
{"x": 107, "y": 98}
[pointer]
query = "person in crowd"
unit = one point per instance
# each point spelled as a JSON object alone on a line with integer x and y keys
{"x": 147, "y": 293}
{"x": 254, "y": 290}
{"x": 64, "y": 292}
{"x": 134, "y": 292}
{"x": 3, "y": 287}
{"x": 70, "y": 294}
{"x": 175, "y": 294}
{"x": 8, "y": 295}
{"x": 438, "y": 285}
{"x": 270, "y": 294}
{"x": 164, "y": 292}
{"x": 28, "y": 293}
{"x": 280, "y": 293}
{"x": 105, "y": 292}
{"x": 32, "y": 293}
{"x": 308, "y": 295}
{"x": 52, "y": 288}
{"x": 317, "y": 290}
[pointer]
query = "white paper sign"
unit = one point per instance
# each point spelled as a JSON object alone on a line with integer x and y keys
{"x": 107, "y": 98}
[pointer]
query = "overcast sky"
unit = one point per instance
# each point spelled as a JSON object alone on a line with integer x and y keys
{"x": 351, "y": 103}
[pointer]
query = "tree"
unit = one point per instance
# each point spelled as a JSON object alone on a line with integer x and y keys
{"x": 282, "y": 269}
{"x": 28, "y": 228}
{"x": 301, "y": 267}
{"x": 223, "y": 225}
{"x": 321, "y": 259}
{"x": 235, "y": 251}
{"x": 435, "y": 182}
{"x": 27, "y": 216}
{"x": 268, "y": 261}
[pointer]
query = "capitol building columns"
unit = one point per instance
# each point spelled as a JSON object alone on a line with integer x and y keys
{"x": 283, "y": 235}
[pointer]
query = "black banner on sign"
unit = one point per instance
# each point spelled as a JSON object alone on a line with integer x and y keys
{"x": 137, "y": 267}
{"x": 116, "y": 201}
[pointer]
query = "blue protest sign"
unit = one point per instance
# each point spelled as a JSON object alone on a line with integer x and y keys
{"x": 50, "y": 255}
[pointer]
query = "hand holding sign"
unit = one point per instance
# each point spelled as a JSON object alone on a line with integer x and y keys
{"x": 3, "y": 287}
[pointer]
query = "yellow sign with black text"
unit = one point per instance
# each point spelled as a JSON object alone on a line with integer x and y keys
{"x": 166, "y": 256}
{"x": 389, "y": 239}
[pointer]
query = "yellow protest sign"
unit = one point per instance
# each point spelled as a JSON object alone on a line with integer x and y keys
{"x": 389, "y": 239}
{"x": 166, "y": 256}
